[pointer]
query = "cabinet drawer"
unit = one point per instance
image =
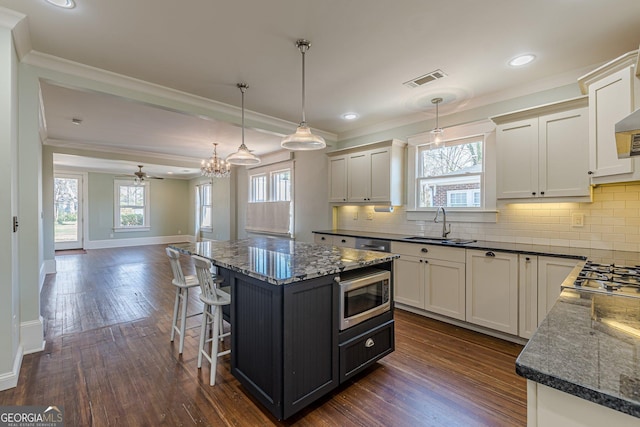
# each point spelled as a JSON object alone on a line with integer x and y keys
{"x": 429, "y": 251}
{"x": 344, "y": 241}
{"x": 363, "y": 350}
{"x": 323, "y": 239}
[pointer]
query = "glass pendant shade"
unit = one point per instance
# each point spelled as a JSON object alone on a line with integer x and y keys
{"x": 243, "y": 157}
{"x": 437, "y": 133}
{"x": 303, "y": 139}
{"x": 215, "y": 167}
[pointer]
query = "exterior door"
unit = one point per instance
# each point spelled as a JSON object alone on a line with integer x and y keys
{"x": 67, "y": 211}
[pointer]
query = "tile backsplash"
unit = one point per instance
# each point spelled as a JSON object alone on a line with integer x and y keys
{"x": 611, "y": 221}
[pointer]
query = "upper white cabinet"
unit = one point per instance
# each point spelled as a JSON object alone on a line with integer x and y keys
{"x": 338, "y": 180}
{"x": 492, "y": 290}
{"x": 614, "y": 92}
{"x": 371, "y": 173}
{"x": 534, "y": 147}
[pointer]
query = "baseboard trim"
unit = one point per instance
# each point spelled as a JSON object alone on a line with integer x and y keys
{"x": 141, "y": 241}
{"x": 32, "y": 336}
{"x": 10, "y": 379}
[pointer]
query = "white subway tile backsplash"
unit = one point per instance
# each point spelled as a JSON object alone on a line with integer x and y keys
{"x": 612, "y": 221}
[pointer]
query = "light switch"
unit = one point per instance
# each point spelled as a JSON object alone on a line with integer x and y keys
{"x": 577, "y": 220}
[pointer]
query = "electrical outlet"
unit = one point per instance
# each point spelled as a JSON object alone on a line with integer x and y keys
{"x": 369, "y": 215}
{"x": 577, "y": 220}
{"x": 355, "y": 216}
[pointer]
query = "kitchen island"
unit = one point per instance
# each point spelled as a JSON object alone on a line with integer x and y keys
{"x": 287, "y": 349}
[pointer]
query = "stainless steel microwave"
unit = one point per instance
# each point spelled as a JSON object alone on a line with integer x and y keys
{"x": 364, "y": 296}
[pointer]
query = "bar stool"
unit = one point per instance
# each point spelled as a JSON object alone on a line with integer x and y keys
{"x": 182, "y": 284}
{"x": 213, "y": 299}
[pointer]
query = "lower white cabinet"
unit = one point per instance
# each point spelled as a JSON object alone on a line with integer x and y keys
{"x": 551, "y": 273}
{"x": 431, "y": 278}
{"x": 492, "y": 290}
{"x": 540, "y": 278}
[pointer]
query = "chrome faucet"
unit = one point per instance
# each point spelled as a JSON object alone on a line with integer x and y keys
{"x": 445, "y": 230}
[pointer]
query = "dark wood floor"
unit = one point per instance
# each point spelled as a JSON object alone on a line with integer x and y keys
{"x": 108, "y": 360}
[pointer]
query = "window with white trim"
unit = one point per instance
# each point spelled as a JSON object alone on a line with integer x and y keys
{"x": 451, "y": 174}
{"x": 204, "y": 206}
{"x": 131, "y": 206}
{"x": 270, "y": 207}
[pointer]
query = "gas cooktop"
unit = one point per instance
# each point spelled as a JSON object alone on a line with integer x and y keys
{"x": 609, "y": 279}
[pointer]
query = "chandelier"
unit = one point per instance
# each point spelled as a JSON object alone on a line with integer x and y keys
{"x": 215, "y": 167}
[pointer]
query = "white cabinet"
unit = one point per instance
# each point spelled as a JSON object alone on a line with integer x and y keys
{"x": 338, "y": 181}
{"x": 551, "y": 273}
{"x": 539, "y": 280}
{"x": 528, "y": 295}
{"x": 430, "y": 277}
{"x": 368, "y": 174}
{"x": 533, "y": 146}
{"x": 614, "y": 92}
{"x": 334, "y": 240}
{"x": 492, "y": 290}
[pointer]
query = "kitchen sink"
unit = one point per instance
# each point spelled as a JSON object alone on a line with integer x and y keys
{"x": 427, "y": 239}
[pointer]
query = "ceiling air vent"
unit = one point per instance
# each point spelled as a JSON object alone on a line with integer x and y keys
{"x": 427, "y": 78}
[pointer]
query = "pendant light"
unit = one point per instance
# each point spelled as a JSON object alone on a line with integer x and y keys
{"x": 243, "y": 156}
{"x": 215, "y": 167}
{"x": 303, "y": 139}
{"x": 437, "y": 132}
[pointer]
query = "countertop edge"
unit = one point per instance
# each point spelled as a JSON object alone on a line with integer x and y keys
{"x": 604, "y": 399}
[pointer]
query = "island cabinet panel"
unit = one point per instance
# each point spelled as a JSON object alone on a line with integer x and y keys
{"x": 310, "y": 342}
{"x": 285, "y": 341}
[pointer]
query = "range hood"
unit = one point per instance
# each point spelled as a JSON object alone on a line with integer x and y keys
{"x": 628, "y": 136}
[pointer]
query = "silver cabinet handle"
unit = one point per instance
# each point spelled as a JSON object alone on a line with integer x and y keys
{"x": 369, "y": 343}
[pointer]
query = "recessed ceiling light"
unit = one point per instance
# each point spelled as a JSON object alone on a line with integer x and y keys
{"x": 67, "y": 4}
{"x": 521, "y": 60}
{"x": 170, "y": 173}
{"x": 350, "y": 116}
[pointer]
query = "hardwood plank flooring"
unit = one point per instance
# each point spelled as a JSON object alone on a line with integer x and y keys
{"x": 108, "y": 360}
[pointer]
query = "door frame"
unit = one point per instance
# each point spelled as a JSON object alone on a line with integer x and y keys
{"x": 82, "y": 178}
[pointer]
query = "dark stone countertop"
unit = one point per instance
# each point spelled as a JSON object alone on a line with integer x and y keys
{"x": 588, "y": 346}
{"x": 594, "y": 255}
{"x": 282, "y": 261}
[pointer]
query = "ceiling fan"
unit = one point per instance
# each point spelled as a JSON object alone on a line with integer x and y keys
{"x": 140, "y": 176}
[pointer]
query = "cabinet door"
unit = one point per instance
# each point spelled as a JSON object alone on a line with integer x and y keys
{"x": 564, "y": 154}
{"x": 492, "y": 290}
{"x": 408, "y": 281}
{"x": 517, "y": 159}
{"x": 338, "y": 179}
{"x": 551, "y": 273}
{"x": 528, "y": 298}
{"x": 445, "y": 288}
{"x": 610, "y": 100}
{"x": 381, "y": 175}
{"x": 359, "y": 172}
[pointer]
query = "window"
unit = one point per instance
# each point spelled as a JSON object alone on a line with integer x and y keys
{"x": 258, "y": 188}
{"x": 451, "y": 175}
{"x": 204, "y": 207}
{"x": 281, "y": 186}
{"x": 270, "y": 207}
{"x": 131, "y": 206}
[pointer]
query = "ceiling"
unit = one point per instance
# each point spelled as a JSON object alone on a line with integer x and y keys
{"x": 362, "y": 52}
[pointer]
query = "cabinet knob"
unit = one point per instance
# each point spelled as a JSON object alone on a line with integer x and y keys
{"x": 533, "y": 193}
{"x": 425, "y": 250}
{"x": 369, "y": 343}
{"x": 420, "y": 260}
{"x": 490, "y": 254}
{"x": 542, "y": 192}
{"x": 323, "y": 238}
{"x": 528, "y": 259}
{"x": 426, "y": 261}
{"x": 343, "y": 241}
{"x": 590, "y": 172}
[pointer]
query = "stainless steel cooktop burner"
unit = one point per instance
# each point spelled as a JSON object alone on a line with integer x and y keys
{"x": 609, "y": 278}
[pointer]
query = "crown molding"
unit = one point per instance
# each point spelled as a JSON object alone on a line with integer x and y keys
{"x": 19, "y": 26}
{"x": 195, "y": 104}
